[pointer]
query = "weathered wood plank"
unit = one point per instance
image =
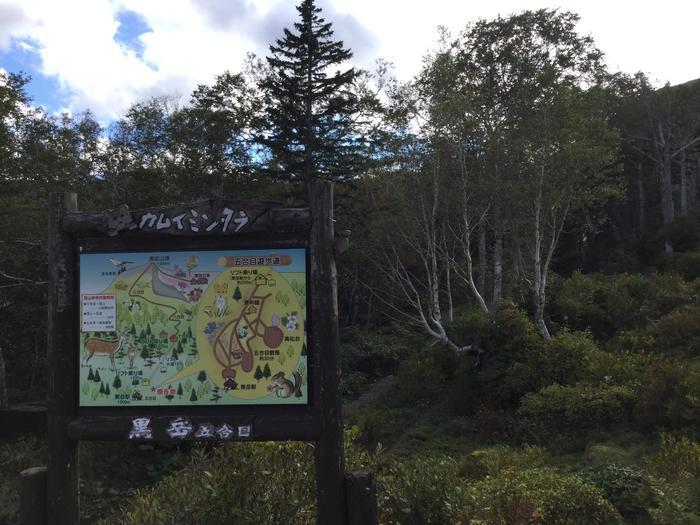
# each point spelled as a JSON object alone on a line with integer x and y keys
{"x": 326, "y": 353}
{"x": 197, "y": 218}
{"x": 22, "y": 419}
{"x": 62, "y": 486}
{"x": 361, "y": 498}
{"x": 157, "y": 427}
{"x": 32, "y": 497}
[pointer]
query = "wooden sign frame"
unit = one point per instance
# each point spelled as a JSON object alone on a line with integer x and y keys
{"x": 196, "y": 226}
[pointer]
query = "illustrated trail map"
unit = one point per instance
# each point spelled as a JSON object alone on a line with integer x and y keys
{"x": 193, "y": 328}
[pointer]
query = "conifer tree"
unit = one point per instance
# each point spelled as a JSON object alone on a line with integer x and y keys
{"x": 310, "y": 113}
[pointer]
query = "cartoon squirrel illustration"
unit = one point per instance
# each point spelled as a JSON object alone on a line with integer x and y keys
{"x": 282, "y": 386}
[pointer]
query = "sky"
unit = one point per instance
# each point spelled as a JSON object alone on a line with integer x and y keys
{"x": 104, "y": 55}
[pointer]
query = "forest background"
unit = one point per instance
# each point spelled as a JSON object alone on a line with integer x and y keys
{"x": 522, "y": 285}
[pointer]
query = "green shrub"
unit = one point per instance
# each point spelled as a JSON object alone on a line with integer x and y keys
{"x": 679, "y": 331}
{"x": 675, "y": 481}
{"x": 676, "y": 457}
{"x": 420, "y": 381}
{"x": 420, "y": 491}
{"x": 504, "y": 378}
{"x": 685, "y": 264}
{"x": 579, "y": 303}
{"x": 625, "y": 487}
{"x": 609, "y": 304}
{"x": 494, "y": 460}
{"x": 470, "y": 326}
{"x": 497, "y": 426}
{"x": 565, "y": 359}
{"x": 237, "y": 483}
{"x": 542, "y": 495}
{"x": 385, "y": 425}
{"x": 581, "y": 406}
{"x": 684, "y": 232}
{"x": 670, "y": 291}
{"x": 660, "y": 395}
{"x": 619, "y": 367}
{"x": 628, "y": 301}
{"x": 513, "y": 341}
{"x": 369, "y": 355}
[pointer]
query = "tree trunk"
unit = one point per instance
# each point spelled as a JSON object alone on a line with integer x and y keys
{"x": 368, "y": 322}
{"x": 539, "y": 283}
{"x": 448, "y": 282}
{"x": 515, "y": 263}
{"x": 482, "y": 258}
{"x": 684, "y": 185}
{"x": 3, "y": 382}
{"x": 693, "y": 183}
{"x": 667, "y": 209}
{"x": 497, "y": 256}
{"x": 641, "y": 196}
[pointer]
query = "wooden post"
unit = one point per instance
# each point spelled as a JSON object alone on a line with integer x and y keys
{"x": 32, "y": 497}
{"x": 62, "y": 479}
{"x": 361, "y": 498}
{"x": 330, "y": 461}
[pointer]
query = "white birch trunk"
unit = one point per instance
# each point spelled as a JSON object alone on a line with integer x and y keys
{"x": 482, "y": 258}
{"x": 497, "y": 257}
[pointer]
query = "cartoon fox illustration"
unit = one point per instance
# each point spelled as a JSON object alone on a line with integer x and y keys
{"x": 218, "y": 309}
{"x": 282, "y": 386}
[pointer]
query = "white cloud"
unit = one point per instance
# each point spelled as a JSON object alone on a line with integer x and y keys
{"x": 190, "y": 41}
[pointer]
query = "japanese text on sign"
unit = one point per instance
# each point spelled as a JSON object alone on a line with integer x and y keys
{"x": 99, "y": 312}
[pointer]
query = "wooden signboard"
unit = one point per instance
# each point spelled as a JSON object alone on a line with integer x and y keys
{"x": 215, "y": 320}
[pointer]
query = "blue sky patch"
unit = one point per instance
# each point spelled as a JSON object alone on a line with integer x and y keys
{"x": 131, "y": 26}
{"x": 44, "y": 90}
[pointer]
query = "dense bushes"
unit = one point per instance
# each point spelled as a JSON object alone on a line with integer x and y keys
{"x": 537, "y": 496}
{"x": 609, "y": 304}
{"x": 685, "y": 264}
{"x": 248, "y": 483}
{"x": 369, "y": 355}
{"x": 564, "y": 409}
{"x": 675, "y": 481}
{"x": 679, "y": 331}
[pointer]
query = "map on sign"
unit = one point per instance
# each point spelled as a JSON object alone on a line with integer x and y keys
{"x": 193, "y": 328}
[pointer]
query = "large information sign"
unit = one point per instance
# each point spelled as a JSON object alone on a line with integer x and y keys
{"x": 211, "y": 321}
{"x": 193, "y": 328}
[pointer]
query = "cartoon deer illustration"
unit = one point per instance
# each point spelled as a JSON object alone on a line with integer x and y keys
{"x": 95, "y": 346}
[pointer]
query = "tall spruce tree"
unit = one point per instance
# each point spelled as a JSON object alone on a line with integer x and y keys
{"x": 310, "y": 128}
